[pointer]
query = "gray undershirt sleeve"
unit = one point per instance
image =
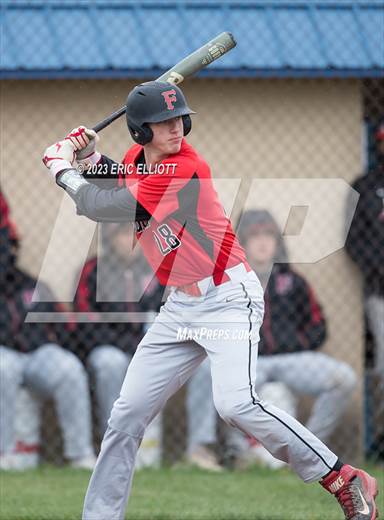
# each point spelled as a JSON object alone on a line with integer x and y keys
{"x": 100, "y": 205}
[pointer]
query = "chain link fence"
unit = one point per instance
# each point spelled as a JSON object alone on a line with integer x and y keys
{"x": 78, "y": 297}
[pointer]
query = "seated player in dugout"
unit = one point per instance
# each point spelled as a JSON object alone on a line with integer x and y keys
{"x": 34, "y": 355}
{"x": 117, "y": 281}
{"x": 189, "y": 242}
{"x": 294, "y": 329}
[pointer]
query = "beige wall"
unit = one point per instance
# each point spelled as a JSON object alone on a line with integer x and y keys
{"x": 244, "y": 128}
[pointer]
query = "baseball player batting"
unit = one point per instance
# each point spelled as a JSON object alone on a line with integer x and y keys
{"x": 216, "y": 300}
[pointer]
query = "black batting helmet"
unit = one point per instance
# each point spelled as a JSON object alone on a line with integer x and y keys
{"x": 153, "y": 102}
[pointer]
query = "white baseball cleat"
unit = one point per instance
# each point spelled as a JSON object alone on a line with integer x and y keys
{"x": 205, "y": 458}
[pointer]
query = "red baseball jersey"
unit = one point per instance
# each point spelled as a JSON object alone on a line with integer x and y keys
{"x": 189, "y": 236}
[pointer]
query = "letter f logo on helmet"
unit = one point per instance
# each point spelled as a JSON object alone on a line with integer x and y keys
{"x": 170, "y": 98}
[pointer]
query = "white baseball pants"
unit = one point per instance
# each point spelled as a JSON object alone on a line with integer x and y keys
{"x": 223, "y": 324}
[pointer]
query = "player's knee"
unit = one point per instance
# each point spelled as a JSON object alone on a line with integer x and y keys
{"x": 347, "y": 378}
{"x": 108, "y": 361}
{"x": 341, "y": 378}
{"x": 73, "y": 367}
{"x": 97, "y": 357}
{"x": 68, "y": 367}
{"x": 130, "y": 416}
{"x": 52, "y": 358}
{"x": 230, "y": 408}
{"x": 50, "y": 350}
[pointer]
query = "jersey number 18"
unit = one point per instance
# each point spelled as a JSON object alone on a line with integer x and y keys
{"x": 165, "y": 239}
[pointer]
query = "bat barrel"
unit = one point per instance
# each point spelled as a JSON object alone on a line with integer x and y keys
{"x": 208, "y": 53}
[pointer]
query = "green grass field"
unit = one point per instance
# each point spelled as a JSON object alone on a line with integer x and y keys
{"x": 174, "y": 494}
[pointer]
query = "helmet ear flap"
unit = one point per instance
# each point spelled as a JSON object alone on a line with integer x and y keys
{"x": 141, "y": 134}
{"x": 187, "y": 124}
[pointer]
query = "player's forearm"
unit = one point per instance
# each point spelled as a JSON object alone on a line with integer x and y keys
{"x": 115, "y": 205}
{"x": 106, "y": 205}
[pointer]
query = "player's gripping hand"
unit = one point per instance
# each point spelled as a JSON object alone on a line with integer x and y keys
{"x": 84, "y": 140}
{"x": 59, "y": 156}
